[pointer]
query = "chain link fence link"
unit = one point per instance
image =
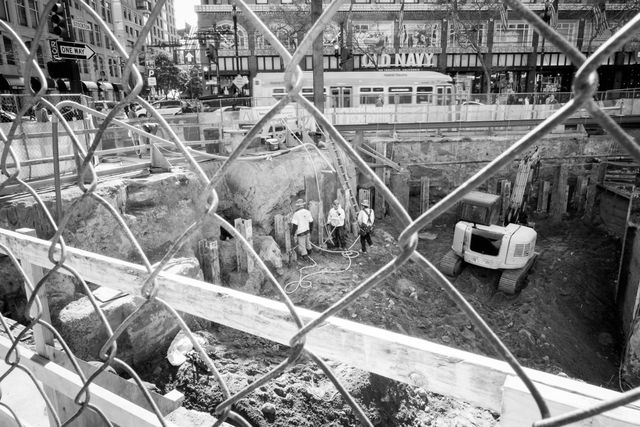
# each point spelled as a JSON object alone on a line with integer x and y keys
{"x": 15, "y": 173}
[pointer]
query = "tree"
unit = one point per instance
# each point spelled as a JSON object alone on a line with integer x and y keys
{"x": 603, "y": 21}
{"x": 168, "y": 76}
{"x": 470, "y": 33}
{"x": 194, "y": 86}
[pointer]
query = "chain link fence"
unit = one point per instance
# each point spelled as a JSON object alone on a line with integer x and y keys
{"x": 14, "y": 173}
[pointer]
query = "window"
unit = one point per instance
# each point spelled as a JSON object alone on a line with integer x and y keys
{"x": 4, "y": 12}
{"x": 400, "y": 95}
{"x": 424, "y": 95}
{"x": 287, "y": 1}
{"x": 91, "y": 40}
{"x": 471, "y": 34}
{"x": 40, "y": 57}
{"x": 369, "y": 95}
{"x": 261, "y": 1}
{"x": 361, "y": 1}
{"x": 98, "y": 37}
{"x": 516, "y": 34}
{"x": 569, "y": 30}
{"x": 8, "y": 50}
{"x": 307, "y": 92}
{"x": 22, "y": 12}
{"x": 385, "y": 1}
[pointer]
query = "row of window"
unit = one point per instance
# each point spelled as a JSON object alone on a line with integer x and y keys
{"x": 414, "y": 34}
{"x": 403, "y": 1}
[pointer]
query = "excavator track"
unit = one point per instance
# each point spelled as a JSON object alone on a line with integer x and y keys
{"x": 451, "y": 264}
{"x": 511, "y": 280}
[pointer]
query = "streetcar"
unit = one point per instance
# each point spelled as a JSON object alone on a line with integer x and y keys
{"x": 368, "y": 96}
{"x": 346, "y": 89}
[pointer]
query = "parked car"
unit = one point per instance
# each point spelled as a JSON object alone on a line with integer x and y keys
{"x": 106, "y": 106}
{"x": 6, "y": 116}
{"x": 166, "y": 107}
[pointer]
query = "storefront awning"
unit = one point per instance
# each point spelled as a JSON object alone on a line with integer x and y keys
{"x": 88, "y": 86}
{"x": 117, "y": 87}
{"x": 15, "y": 82}
{"x": 105, "y": 86}
{"x": 4, "y": 84}
{"x": 63, "y": 85}
{"x": 36, "y": 85}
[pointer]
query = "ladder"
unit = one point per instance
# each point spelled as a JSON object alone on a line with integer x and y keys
{"x": 523, "y": 178}
{"x": 343, "y": 177}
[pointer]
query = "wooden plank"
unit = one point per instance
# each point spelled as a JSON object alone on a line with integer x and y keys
{"x": 559, "y": 195}
{"x": 546, "y": 190}
{"x": 596, "y": 177}
{"x": 42, "y": 336}
{"x": 461, "y": 375}
{"x": 519, "y": 408}
{"x": 381, "y": 147}
{"x": 248, "y": 235}
{"x": 580, "y": 193}
{"x": 117, "y": 409}
{"x": 241, "y": 255}
{"x": 565, "y": 199}
{"x": 118, "y": 385}
{"x": 424, "y": 197}
{"x": 209, "y": 259}
{"x": 292, "y": 256}
{"x": 379, "y": 157}
{"x": 279, "y": 230}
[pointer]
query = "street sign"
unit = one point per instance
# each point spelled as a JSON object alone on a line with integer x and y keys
{"x": 240, "y": 81}
{"x": 188, "y": 56}
{"x": 152, "y": 72}
{"x": 55, "y": 53}
{"x": 79, "y": 25}
{"x": 151, "y": 81}
{"x": 69, "y": 50}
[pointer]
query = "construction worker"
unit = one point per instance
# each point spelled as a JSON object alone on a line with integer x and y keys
{"x": 336, "y": 221}
{"x": 365, "y": 224}
{"x": 301, "y": 227}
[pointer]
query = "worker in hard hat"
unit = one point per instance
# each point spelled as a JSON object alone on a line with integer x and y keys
{"x": 365, "y": 224}
{"x": 301, "y": 227}
{"x": 336, "y": 221}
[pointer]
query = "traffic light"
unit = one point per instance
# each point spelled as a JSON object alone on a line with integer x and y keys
{"x": 58, "y": 19}
{"x": 212, "y": 52}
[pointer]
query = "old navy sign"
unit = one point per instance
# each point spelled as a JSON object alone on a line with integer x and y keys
{"x": 410, "y": 59}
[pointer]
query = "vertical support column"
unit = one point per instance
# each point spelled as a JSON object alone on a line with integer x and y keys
{"x": 56, "y": 166}
{"x": 424, "y": 196}
{"x": 245, "y": 262}
{"x": 379, "y": 208}
{"x": 400, "y": 187}
{"x": 42, "y": 336}
{"x": 543, "y": 197}
{"x": 505, "y": 194}
{"x": 596, "y": 177}
{"x": 288, "y": 244}
{"x": 580, "y": 193}
{"x": 210, "y": 261}
{"x": 559, "y": 194}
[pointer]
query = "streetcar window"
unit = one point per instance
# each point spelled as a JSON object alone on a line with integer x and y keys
{"x": 369, "y": 95}
{"x": 278, "y": 93}
{"x": 424, "y": 95}
{"x": 400, "y": 95}
{"x": 307, "y": 92}
{"x": 441, "y": 97}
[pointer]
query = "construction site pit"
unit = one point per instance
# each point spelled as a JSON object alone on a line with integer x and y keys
{"x": 563, "y": 320}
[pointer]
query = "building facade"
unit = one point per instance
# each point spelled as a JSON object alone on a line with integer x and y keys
{"x": 102, "y": 74}
{"x": 481, "y": 47}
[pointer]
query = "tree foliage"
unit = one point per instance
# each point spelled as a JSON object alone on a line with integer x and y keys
{"x": 194, "y": 87}
{"x": 168, "y": 76}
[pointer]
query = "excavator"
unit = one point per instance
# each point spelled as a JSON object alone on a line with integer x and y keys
{"x": 480, "y": 240}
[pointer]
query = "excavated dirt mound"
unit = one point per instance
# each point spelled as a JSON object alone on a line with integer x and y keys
{"x": 563, "y": 321}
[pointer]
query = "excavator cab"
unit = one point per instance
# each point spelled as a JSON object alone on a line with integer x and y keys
{"x": 479, "y": 240}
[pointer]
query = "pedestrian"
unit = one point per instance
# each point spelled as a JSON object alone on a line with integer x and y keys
{"x": 41, "y": 113}
{"x": 379, "y": 101}
{"x": 336, "y": 220}
{"x": 365, "y": 224}
{"x": 551, "y": 99}
{"x": 301, "y": 227}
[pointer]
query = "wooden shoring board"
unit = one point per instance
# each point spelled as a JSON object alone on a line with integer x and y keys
{"x": 476, "y": 379}
{"x": 117, "y": 409}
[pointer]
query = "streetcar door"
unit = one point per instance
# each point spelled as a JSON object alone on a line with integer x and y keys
{"x": 341, "y": 96}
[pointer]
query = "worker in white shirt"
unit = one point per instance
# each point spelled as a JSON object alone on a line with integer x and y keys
{"x": 365, "y": 224}
{"x": 301, "y": 227}
{"x": 336, "y": 221}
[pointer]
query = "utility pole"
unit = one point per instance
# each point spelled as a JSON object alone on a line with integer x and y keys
{"x": 318, "y": 59}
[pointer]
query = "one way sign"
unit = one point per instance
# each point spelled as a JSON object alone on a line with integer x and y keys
{"x": 69, "y": 50}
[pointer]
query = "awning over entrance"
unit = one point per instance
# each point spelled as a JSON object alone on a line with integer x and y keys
{"x": 117, "y": 87}
{"x": 15, "y": 82}
{"x": 88, "y": 86}
{"x": 105, "y": 86}
{"x": 36, "y": 85}
{"x": 63, "y": 85}
{"x": 4, "y": 84}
